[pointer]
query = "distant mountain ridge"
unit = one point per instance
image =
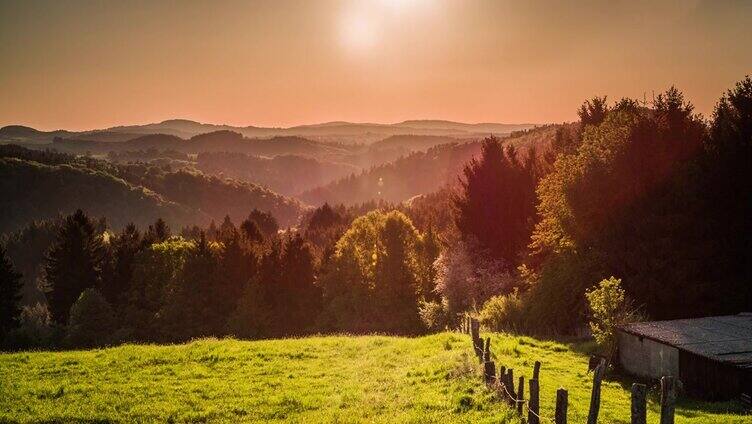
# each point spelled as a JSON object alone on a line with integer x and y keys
{"x": 335, "y": 130}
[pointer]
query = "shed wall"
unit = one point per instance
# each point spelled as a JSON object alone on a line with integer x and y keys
{"x": 647, "y": 358}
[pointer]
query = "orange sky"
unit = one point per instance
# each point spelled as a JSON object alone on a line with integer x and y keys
{"x": 82, "y": 65}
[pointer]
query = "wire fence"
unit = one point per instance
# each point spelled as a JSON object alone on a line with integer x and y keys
{"x": 503, "y": 384}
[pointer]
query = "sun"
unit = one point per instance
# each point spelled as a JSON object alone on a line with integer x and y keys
{"x": 358, "y": 31}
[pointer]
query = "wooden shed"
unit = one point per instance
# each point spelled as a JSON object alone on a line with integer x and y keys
{"x": 712, "y": 356}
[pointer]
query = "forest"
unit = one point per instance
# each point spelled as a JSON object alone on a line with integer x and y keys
{"x": 651, "y": 198}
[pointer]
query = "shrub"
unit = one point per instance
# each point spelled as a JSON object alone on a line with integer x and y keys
{"x": 92, "y": 321}
{"x": 35, "y": 329}
{"x": 555, "y": 303}
{"x": 609, "y": 308}
{"x": 503, "y": 313}
{"x": 434, "y": 315}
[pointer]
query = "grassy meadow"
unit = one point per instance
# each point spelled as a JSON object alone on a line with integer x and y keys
{"x": 315, "y": 379}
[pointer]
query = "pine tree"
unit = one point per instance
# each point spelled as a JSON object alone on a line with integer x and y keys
{"x": 10, "y": 294}
{"x": 496, "y": 205}
{"x": 236, "y": 268}
{"x": 157, "y": 233}
{"x": 73, "y": 264}
{"x": 226, "y": 229}
{"x": 251, "y": 231}
{"x": 188, "y": 312}
{"x": 265, "y": 222}
{"x": 123, "y": 249}
{"x": 299, "y": 297}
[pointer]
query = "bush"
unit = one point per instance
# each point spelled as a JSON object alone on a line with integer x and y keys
{"x": 35, "y": 329}
{"x": 555, "y": 303}
{"x": 503, "y": 313}
{"x": 434, "y": 315}
{"x": 609, "y": 308}
{"x": 92, "y": 321}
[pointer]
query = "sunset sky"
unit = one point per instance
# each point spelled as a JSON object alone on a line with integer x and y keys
{"x": 85, "y": 64}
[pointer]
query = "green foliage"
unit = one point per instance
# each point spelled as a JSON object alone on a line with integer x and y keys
{"x": 625, "y": 203}
{"x": 188, "y": 305}
{"x": 65, "y": 188}
{"x": 555, "y": 302}
{"x": 10, "y": 294}
{"x": 371, "y": 283}
{"x": 434, "y": 315}
{"x": 92, "y": 321}
{"x": 609, "y": 308}
{"x": 503, "y": 313}
{"x": 496, "y": 204}
{"x": 156, "y": 273}
{"x": 73, "y": 264}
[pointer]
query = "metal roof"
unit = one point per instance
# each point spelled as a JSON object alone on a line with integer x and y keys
{"x": 723, "y": 338}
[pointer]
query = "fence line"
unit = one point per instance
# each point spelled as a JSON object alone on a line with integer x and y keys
{"x": 503, "y": 383}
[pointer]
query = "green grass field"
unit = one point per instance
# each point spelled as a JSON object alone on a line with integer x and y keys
{"x": 316, "y": 379}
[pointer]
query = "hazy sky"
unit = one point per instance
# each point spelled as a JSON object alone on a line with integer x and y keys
{"x": 87, "y": 64}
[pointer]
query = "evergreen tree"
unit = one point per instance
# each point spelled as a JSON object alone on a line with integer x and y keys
{"x": 265, "y": 221}
{"x": 258, "y": 312}
{"x": 428, "y": 252}
{"x": 496, "y": 205}
{"x": 123, "y": 250}
{"x": 10, "y": 294}
{"x": 157, "y": 233}
{"x": 188, "y": 310}
{"x": 227, "y": 229}
{"x": 251, "y": 231}
{"x": 73, "y": 264}
{"x": 236, "y": 268}
{"x": 299, "y": 298}
{"x": 593, "y": 111}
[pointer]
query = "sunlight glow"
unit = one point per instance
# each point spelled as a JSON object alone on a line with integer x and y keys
{"x": 358, "y": 31}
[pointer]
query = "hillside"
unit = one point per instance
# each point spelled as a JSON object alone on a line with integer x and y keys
{"x": 417, "y": 173}
{"x": 318, "y": 379}
{"x": 33, "y": 191}
{"x": 340, "y": 131}
{"x": 413, "y": 142}
{"x": 218, "y": 141}
{"x": 200, "y": 197}
{"x": 286, "y": 174}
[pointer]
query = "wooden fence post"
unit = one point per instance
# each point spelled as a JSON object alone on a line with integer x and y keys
{"x": 562, "y": 399}
{"x": 487, "y": 350}
{"x": 520, "y": 395}
{"x": 489, "y": 372}
{"x": 668, "y": 399}
{"x": 639, "y": 404}
{"x": 536, "y": 370}
{"x": 533, "y": 404}
{"x": 510, "y": 380}
{"x": 595, "y": 397}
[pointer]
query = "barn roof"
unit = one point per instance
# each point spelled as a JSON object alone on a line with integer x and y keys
{"x": 723, "y": 338}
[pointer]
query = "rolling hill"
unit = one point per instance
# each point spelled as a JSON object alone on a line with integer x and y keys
{"x": 348, "y": 132}
{"x": 420, "y": 172}
{"x": 39, "y": 185}
{"x": 34, "y": 191}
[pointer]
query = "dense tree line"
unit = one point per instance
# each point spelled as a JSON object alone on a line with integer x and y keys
{"x": 657, "y": 197}
{"x": 251, "y": 280}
